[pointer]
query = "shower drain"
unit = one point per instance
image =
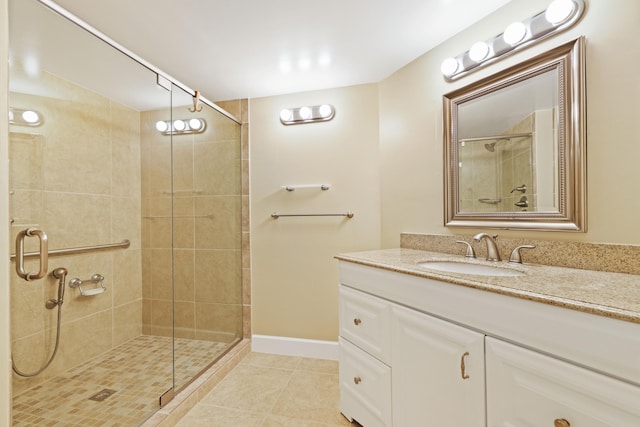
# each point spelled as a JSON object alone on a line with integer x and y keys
{"x": 102, "y": 395}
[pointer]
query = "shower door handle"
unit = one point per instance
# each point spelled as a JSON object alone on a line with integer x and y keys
{"x": 44, "y": 254}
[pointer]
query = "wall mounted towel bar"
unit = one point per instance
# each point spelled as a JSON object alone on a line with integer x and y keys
{"x": 323, "y": 187}
{"x": 81, "y": 249}
{"x": 276, "y": 215}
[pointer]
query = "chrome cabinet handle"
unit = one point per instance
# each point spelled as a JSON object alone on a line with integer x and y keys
{"x": 463, "y": 368}
{"x": 44, "y": 254}
{"x": 561, "y": 422}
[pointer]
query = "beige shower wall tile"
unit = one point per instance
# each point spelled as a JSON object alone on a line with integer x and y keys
{"x": 218, "y": 276}
{"x": 28, "y": 313}
{"x": 126, "y": 223}
{"x": 78, "y": 149}
{"x": 161, "y": 317}
{"x": 183, "y": 232}
{"x": 159, "y": 169}
{"x": 184, "y": 319}
{"x": 83, "y": 340}
{"x": 161, "y": 232}
{"x": 26, "y": 161}
{"x": 218, "y": 222}
{"x": 184, "y": 274}
{"x": 183, "y": 165}
{"x": 225, "y": 318}
{"x": 76, "y": 219}
{"x": 127, "y": 322}
{"x": 125, "y": 138}
{"x": 161, "y": 274}
{"x": 147, "y": 268}
{"x": 126, "y": 283}
{"x": 217, "y": 167}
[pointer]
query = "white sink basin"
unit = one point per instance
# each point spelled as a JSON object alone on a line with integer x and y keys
{"x": 468, "y": 268}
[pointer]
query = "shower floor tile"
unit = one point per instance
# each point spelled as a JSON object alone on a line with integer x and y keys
{"x": 139, "y": 371}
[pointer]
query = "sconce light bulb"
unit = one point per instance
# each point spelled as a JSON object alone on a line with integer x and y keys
{"x": 162, "y": 126}
{"x": 179, "y": 125}
{"x": 515, "y": 33}
{"x": 325, "y": 110}
{"x": 195, "y": 124}
{"x": 305, "y": 113}
{"x": 449, "y": 66}
{"x": 286, "y": 115}
{"x": 10, "y": 115}
{"x": 559, "y": 11}
{"x": 30, "y": 116}
{"x": 479, "y": 51}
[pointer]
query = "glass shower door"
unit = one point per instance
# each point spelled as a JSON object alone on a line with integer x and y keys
{"x": 207, "y": 235}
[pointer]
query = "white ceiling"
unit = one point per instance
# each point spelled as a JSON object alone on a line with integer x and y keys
{"x": 230, "y": 49}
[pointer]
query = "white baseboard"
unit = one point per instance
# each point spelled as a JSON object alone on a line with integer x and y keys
{"x": 295, "y": 347}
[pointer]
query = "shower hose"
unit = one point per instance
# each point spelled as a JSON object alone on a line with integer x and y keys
{"x": 60, "y": 274}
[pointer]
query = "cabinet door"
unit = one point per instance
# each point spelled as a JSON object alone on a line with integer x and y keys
{"x": 437, "y": 372}
{"x": 528, "y": 389}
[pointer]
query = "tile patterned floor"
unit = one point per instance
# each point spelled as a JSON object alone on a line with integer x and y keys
{"x": 139, "y": 371}
{"x": 267, "y": 390}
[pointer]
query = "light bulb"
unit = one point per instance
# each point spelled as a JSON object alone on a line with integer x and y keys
{"x": 286, "y": 115}
{"x": 558, "y": 11}
{"x": 195, "y": 124}
{"x": 162, "y": 126}
{"x": 325, "y": 110}
{"x": 479, "y": 51}
{"x": 179, "y": 125}
{"x": 305, "y": 113}
{"x": 30, "y": 116}
{"x": 449, "y": 66}
{"x": 515, "y": 33}
{"x": 10, "y": 115}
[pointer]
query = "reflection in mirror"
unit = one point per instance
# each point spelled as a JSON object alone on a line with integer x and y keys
{"x": 514, "y": 146}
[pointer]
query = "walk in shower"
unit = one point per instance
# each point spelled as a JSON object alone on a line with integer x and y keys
{"x": 126, "y": 219}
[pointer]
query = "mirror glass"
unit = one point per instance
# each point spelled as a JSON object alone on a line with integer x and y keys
{"x": 514, "y": 146}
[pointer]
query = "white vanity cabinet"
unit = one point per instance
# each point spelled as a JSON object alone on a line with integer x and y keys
{"x": 438, "y": 372}
{"x": 440, "y": 354}
{"x": 526, "y": 389}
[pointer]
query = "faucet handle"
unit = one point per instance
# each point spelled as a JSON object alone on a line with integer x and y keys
{"x": 515, "y": 255}
{"x": 470, "y": 252}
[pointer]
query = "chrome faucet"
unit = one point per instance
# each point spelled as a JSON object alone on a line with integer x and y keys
{"x": 492, "y": 249}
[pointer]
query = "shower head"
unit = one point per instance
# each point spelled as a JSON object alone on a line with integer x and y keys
{"x": 490, "y": 147}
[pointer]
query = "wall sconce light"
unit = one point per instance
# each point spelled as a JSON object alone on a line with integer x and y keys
{"x": 317, "y": 113}
{"x": 560, "y": 15}
{"x": 24, "y": 117}
{"x": 180, "y": 127}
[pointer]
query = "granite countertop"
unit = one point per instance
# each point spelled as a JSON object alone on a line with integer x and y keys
{"x": 614, "y": 295}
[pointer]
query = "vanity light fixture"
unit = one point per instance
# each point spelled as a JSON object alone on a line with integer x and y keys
{"x": 24, "y": 117}
{"x": 560, "y": 15}
{"x": 181, "y": 127}
{"x": 317, "y": 113}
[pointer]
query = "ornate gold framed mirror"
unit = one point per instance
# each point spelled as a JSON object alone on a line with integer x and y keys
{"x": 514, "y": 146}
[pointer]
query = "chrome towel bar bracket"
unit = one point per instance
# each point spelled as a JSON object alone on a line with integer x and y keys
{"x": 97, "y": 281}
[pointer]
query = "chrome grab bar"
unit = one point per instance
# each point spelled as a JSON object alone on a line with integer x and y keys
{"x": 81, "y": 249}
{"x": 43, "y": 254}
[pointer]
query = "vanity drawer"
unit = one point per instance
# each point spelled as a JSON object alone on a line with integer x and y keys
{"x": 526, "y": 388}
{"x": 365, "y": 320}
{"x": 365, "y": 387}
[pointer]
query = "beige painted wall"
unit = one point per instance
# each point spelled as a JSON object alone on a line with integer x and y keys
{"x": 294, "y": 275}
{"x": 411, "y": 125}
{"x": 5, "y": 348}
